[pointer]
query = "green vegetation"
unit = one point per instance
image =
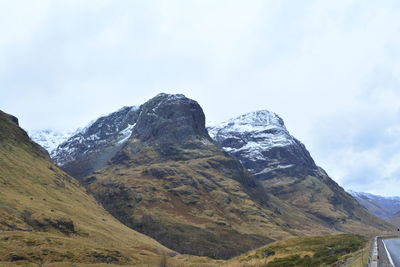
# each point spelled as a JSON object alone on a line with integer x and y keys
{"x": 305, "y": 251}
{"x": 325, "y": 202}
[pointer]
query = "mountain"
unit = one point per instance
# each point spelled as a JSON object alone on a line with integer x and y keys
{"x": 395, "y": 219}
{"x": 285, "y": 169}
{"x": 47, "y": 216}
{"x": 263, "y": 144}
{"x": 383, "y": 207}
{"x": 90, "y": 148}
{"x": 168, "y": 179}
{"x": 49, "y": 139}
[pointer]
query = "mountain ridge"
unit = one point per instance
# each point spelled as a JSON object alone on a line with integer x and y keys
{"x": 170, "y": 163}
{"x": 383, "y": 207}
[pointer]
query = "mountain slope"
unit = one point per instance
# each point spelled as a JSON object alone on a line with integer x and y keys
{"x": 395, "y": 219}
{"x": 285, "y": 169}
{"x": 383, "y": 207}
{"x": 47, "y": 216}
{"x": 91, "y": 147}
{"x": 170, "y": 180}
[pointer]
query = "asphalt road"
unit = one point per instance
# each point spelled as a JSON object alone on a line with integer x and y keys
{"x": 393, "y": 247}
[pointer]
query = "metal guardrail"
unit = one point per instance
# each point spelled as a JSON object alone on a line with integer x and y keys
{"x": 374, "y": 256}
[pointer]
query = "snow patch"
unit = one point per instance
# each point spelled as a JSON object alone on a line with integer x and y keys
{"x": 126, "y": 133}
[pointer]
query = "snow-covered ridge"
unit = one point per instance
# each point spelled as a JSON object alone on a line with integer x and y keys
{"x": 49, "y": 139}
{"x": 261, "y": 142}
{"x": 256, "y": 120}
{"x": 258, "y": 131}
{"x": 109, "y": 130}
{"x": 372, "y": 196}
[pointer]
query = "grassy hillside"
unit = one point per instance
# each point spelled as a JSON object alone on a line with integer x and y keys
{"x": 46, "y": 216}
{"x": 203, "y": 204}
{"x": 325, "y": 202}
{"x": 305, "y": 251}
{"x": 395, "y": 220}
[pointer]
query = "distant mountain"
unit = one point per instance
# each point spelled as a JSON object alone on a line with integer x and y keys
{"x": 49, "y": 139}
{"x": 47, "y": 216}
{"x": 156, "y": 169}
{"x": 383, "y": 207}
{"x": 285, "y": 169}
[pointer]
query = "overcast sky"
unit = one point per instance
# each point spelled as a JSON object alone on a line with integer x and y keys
{"x": 330, "y": 69}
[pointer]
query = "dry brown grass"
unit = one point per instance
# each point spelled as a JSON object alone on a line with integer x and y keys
{"x": 317, "y": 248}
{"x": 198, "y": 192}
{"x": 47, "y": 217}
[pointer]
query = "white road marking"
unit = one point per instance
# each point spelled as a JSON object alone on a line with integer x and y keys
{"x": 388, "y": 254}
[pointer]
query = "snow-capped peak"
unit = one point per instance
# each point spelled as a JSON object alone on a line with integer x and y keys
{"x": 259, "y": 118}
{"x": 49, "y": 139}
{"x": 252, "y": 121}
{"x": 262, "y": 124}
{"x": 372, "y": 196}
{"x": 262, "y": 143}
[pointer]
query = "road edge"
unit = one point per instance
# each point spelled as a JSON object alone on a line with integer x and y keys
{"x": 373, "y": 258}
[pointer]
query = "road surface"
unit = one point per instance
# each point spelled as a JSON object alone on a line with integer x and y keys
{"x": 393, "y": 247}
{"x": 383, "y": 260}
